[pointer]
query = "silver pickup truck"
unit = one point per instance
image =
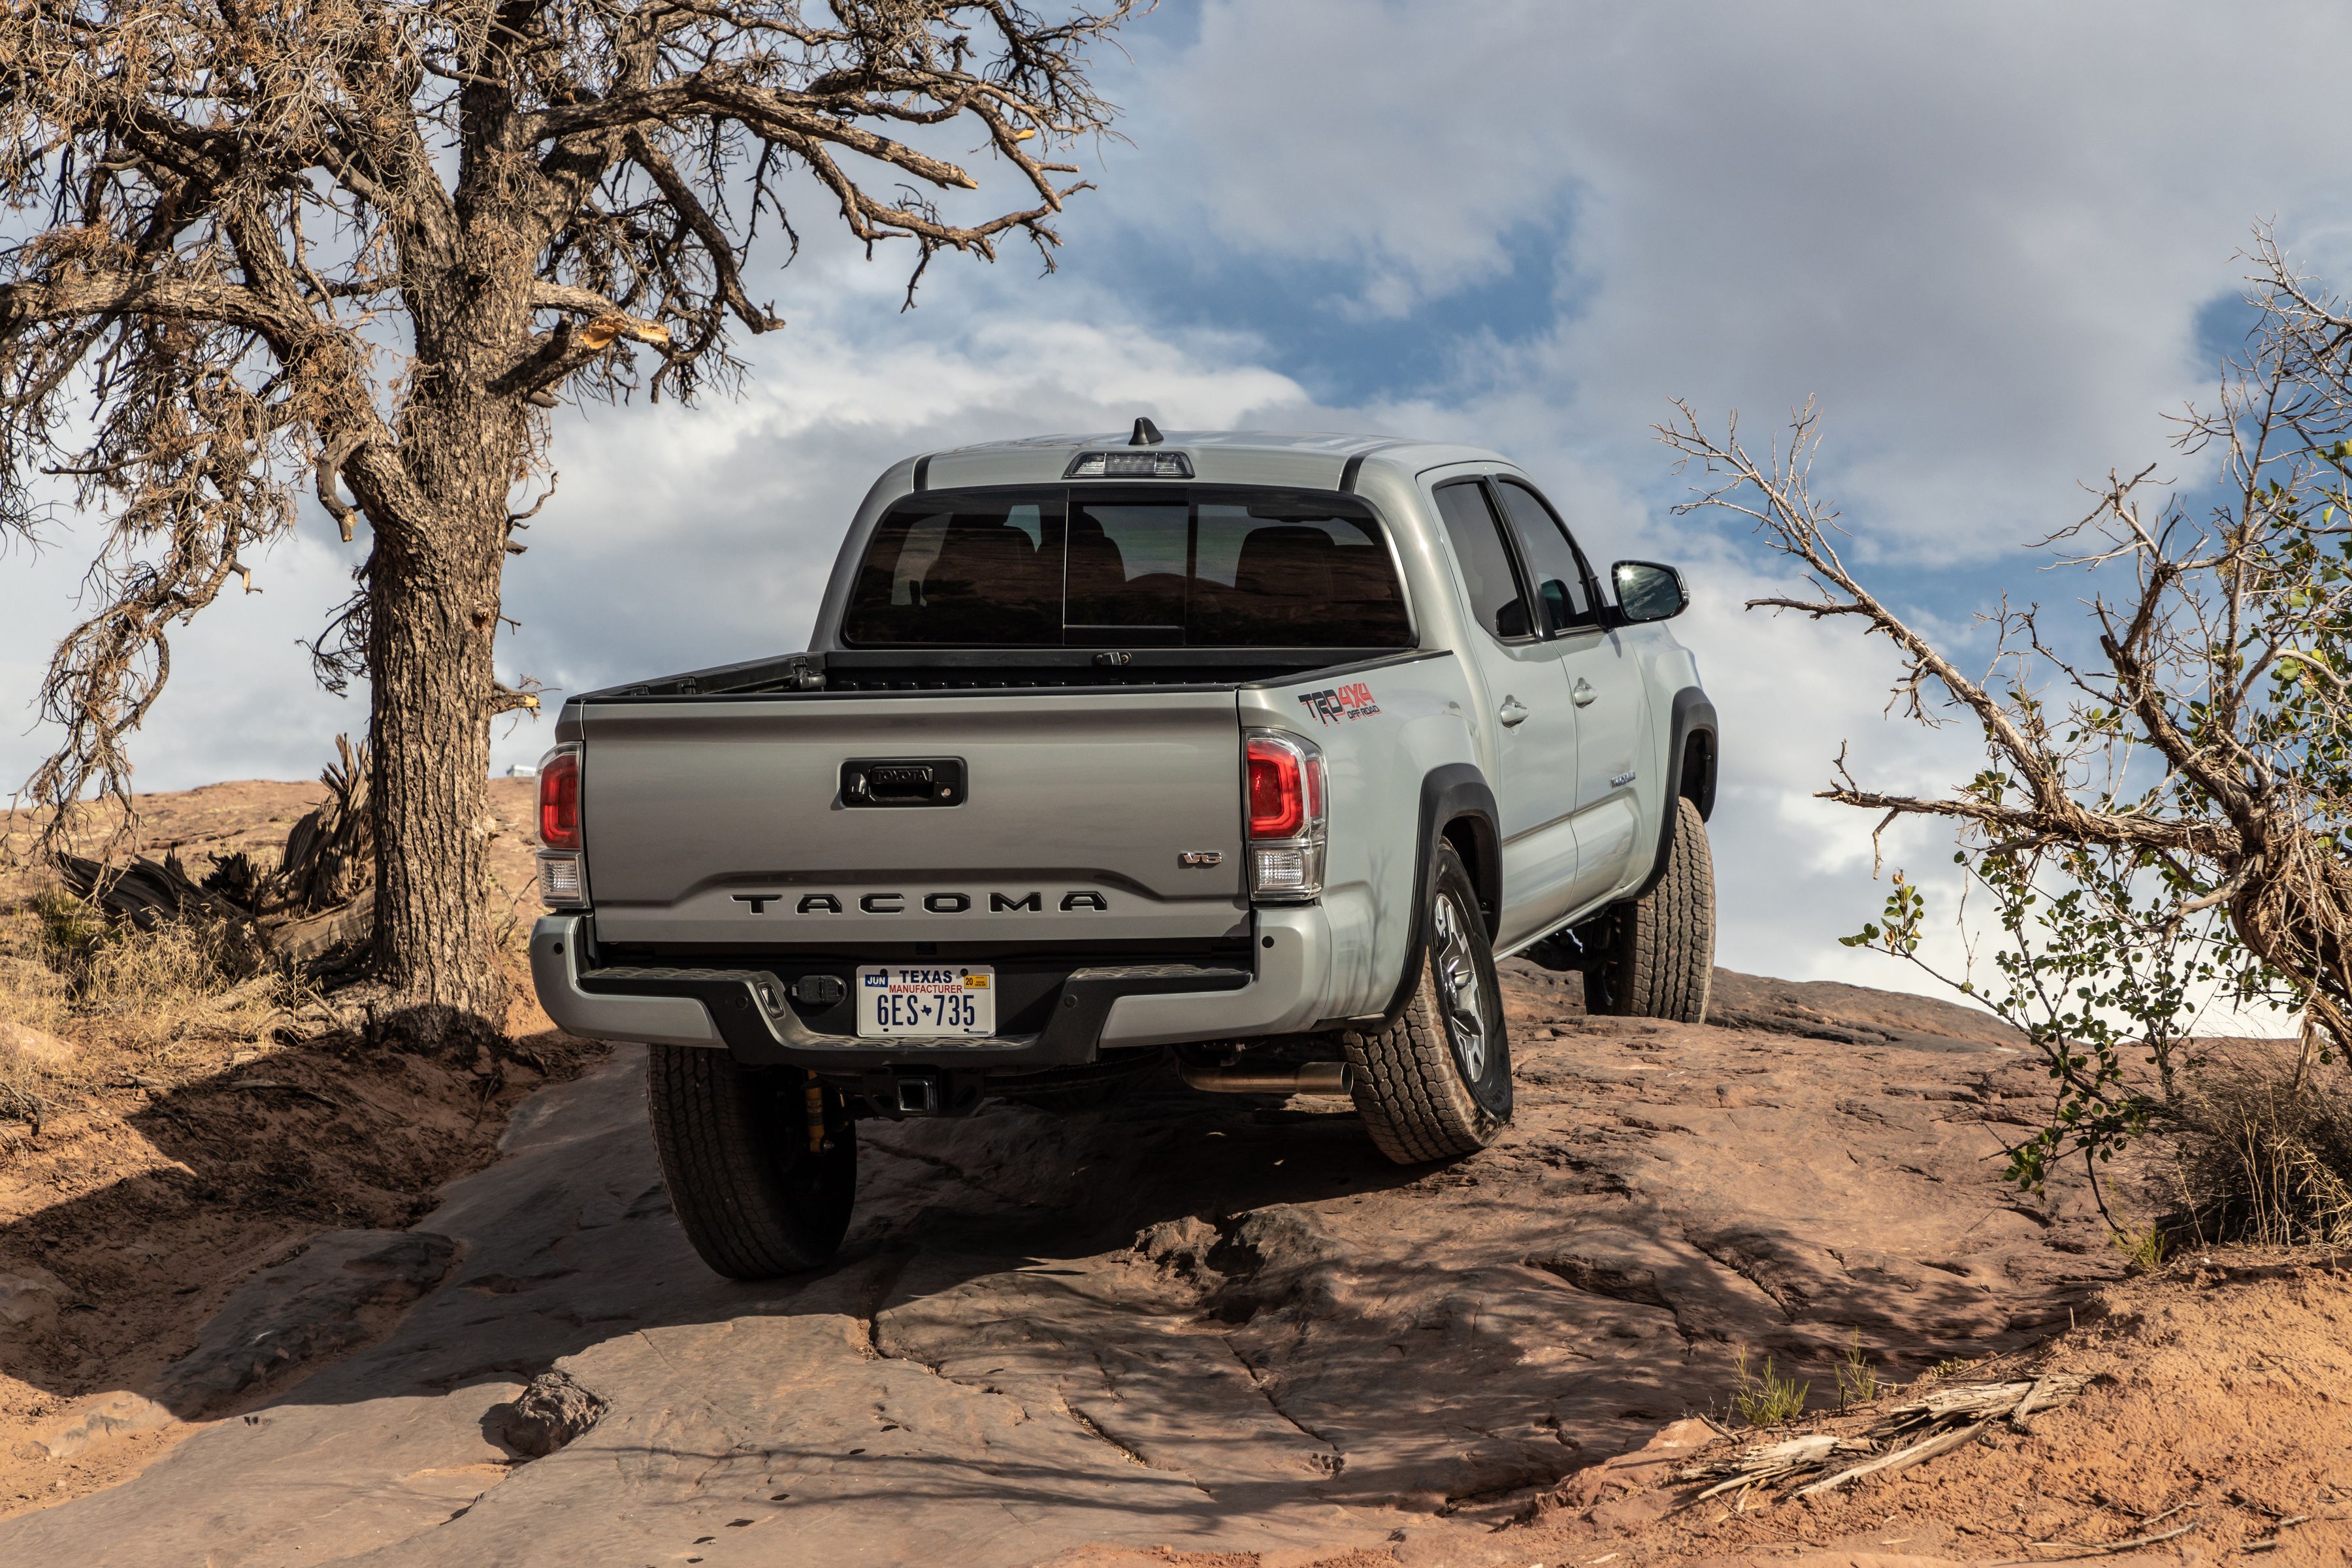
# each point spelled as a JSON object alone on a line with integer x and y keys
{"x": 1254, "y": 750}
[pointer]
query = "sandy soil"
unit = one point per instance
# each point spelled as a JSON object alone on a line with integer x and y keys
{"x": 2215, "y": 1418}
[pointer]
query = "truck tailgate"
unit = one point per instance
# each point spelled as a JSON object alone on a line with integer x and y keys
{"x": 1087, "y": 816}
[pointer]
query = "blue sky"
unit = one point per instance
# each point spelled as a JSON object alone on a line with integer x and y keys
{"x": 1997, "y": 240}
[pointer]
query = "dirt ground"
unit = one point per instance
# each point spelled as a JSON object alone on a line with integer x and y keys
{"x": 2215, "y": 1418}
{"x": 1187, "y": 1328}
{"x": 169, "y": 1165}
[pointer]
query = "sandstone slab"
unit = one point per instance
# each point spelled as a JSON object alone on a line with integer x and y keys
{"x": 312, "y": 1306}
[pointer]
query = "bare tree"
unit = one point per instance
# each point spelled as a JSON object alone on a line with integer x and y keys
{"x": 2168, "y": 811}
{"x": 270, "y": 245}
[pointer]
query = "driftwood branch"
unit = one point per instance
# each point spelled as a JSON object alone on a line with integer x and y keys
{"x": 1946, "y": 1418}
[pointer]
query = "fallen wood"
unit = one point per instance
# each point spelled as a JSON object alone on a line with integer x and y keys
{"x": 2077, "y": 1550}
{"x": 1978, "y": 1399}
{"x": 1900, "y": 1458}
{"x": 1951, "y": 1416}
{"x": 1772, "y": 1462}
{"x": 2025, "y": 1406}
{"x": 2265, "y": 1542}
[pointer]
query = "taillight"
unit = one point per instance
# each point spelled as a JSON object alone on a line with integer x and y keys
{"x": 1285, "y": 797}
{"x": 559, "y": 799}
{"x": 1278, "y": 806}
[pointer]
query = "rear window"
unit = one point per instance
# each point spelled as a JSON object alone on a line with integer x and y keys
{"x": 1201, "y": 566}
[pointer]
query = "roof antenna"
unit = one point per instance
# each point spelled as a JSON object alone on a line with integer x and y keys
{"x": 1147, "y": 433}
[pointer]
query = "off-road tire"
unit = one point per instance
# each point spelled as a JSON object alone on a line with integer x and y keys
{"x": 1418, "y": 1099}
{"x": 1660, "y": 958}
{"x": 734, "y": 1143}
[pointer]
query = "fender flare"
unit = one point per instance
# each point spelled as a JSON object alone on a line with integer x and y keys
{"x": 1694, "y": 715}
{"x": 1457, "y": 792}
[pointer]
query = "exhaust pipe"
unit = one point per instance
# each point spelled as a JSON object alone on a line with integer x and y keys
{"x": 1306, "y": 1077}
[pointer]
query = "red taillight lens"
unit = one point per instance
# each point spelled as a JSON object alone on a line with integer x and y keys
{"x": 1279, "y": 780}
{"x": 558, "y": 801}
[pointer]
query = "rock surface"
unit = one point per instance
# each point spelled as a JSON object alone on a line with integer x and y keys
{"x": 551, "y": 1411}
{"x": 29, "y": 1299}
{"x": 316, "y": 1303}
{"x": 1205, "y": 1323}
{"x": 22, "y": 1042}
{"x": 113, "y": 1414}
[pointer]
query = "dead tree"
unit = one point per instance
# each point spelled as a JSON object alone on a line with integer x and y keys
{"x": 2192, "y": 759}
{"x": 359, "y": 247}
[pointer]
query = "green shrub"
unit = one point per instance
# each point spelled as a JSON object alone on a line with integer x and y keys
{"x": 1763, "y": 1398}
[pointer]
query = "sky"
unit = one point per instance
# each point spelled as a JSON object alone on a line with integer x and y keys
{"x": 1997, "y": 241}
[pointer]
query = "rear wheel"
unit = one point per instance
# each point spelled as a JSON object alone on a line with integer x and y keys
{"x": 1659, "y": 961}
{"x": 749, "y": 1194}
{"x": 1437, "y": 1082}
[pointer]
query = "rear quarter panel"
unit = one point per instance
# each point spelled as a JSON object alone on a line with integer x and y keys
{"x": 1381, "y": 728}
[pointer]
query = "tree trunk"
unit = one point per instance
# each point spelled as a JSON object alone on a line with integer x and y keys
{"x": 433, "y": 596}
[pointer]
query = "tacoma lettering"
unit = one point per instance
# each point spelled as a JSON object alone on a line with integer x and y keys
{"x": 941, "y": 903}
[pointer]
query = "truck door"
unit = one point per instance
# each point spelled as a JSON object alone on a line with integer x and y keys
{"x": 1604, "y": 691}
{"x": 1530, "y": 727}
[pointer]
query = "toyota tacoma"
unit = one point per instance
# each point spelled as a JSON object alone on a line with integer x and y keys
{"x": 1257, "y": 750}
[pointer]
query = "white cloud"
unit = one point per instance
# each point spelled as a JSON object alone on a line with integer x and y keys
{"x": 1982, "y": 234}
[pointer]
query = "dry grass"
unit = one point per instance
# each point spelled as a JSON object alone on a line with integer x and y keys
{"x": 2262, "y": 1149}
{"x": 182, "y": 999}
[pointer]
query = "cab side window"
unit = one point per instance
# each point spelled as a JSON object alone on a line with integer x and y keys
{"x": 1495, "y": 597}
{"x": 1552, "y": 559}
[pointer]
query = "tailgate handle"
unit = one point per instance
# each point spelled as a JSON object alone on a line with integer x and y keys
{"x": 902, "y": 781}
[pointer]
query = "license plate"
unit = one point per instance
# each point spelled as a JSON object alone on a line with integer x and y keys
{"x": 915, "y": 999}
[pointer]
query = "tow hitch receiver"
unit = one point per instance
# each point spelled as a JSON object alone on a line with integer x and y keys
{"x": 899, "y": 1094}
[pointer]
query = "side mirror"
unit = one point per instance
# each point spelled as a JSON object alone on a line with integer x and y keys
{"x": 1648, "y": 592}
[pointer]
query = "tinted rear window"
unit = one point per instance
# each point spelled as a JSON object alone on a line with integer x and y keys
{"x": 1201, "y": 566}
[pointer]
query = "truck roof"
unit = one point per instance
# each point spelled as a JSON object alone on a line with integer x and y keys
{"x": 1308, "y": 459}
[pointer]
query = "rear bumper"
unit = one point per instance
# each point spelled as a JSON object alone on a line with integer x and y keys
{"x": 743, "y": 1011}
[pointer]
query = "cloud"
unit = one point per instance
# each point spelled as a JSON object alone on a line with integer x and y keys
{"x": 1982, "y": 235}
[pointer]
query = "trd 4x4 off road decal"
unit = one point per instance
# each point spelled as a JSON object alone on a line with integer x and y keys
{"x": 1337, "y": 702}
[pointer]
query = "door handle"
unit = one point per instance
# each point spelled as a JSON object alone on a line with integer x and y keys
{"x": 1513, "y": 712}
{"x": 1583, "y": 693}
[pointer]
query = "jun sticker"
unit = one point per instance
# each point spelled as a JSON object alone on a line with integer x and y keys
{"x": 1337, "y": 702}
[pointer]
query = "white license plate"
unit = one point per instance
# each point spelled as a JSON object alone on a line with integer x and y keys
{"x": 917, "y": 999}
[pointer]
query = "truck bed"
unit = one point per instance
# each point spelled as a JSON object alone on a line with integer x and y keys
{"x": 990, "y": 670}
